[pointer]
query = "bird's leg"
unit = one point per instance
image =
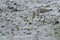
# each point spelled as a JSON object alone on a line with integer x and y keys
{"x": 38, "y": 11}
{"x": 33, "y": 14}
{"x": 44, "y": 19}
{"x": 40, "y": 17}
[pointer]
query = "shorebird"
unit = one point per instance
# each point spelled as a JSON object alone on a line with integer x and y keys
{"x": 40, "y": 11}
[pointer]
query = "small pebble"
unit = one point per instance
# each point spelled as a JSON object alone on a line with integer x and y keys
{"x": 58, "y": 10}
{"x": 57, "y": 22}
{"x": 2, "y": 26}
{"x": 15, "y": 3}
{"x": 30, "y": 23}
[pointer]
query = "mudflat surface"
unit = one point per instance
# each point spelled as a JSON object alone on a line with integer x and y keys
{"x": 16, "y": 22}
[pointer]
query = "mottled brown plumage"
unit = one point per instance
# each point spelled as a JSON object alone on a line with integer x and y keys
{"x": 43, "y": 10}
{"x": 40, "y": 10}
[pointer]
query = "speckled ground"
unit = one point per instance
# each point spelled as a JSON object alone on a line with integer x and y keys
{"x": 16, "y": 22}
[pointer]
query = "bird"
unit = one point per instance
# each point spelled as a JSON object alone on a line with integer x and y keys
{"x": 43, "y": 10}
{"x": 40, "y": 10}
